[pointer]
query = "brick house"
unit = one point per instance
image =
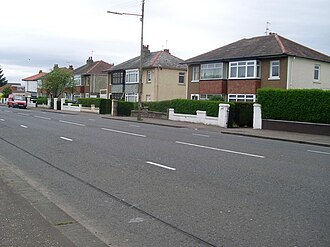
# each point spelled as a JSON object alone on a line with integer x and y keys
{"x": 32, "y": 82}
{"x": 91, "y": 79}
{"x": 163, "y": 77}
{"x": 237, "y": 70}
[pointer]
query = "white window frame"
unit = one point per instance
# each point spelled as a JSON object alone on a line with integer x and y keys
{"x": 207, "y": 67}
{"x": 149, "y": 76}
{"x": 87, "y": 95}
{"x": 77, "y": 80}
{"x": 131, "y": 97}
{"x": 182, "y": 76}
{"x": 242, "y": 98}
{"x": 273, "y": 64}
{"x": 194, "y": 95}
{"x": 245, "y": 65}
{"x": 195, "y": 73}
{"x": 132, "y": 74}
{"x": 317, "y": 68}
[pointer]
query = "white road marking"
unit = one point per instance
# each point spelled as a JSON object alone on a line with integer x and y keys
{"x": 318, "y": 152}
{"x": 47, "y": 118}
{"x": 7, "y": 111}
{"x": 23, "y": 114}
{"x": 23, "y": 126}
{"x": 219, "y": 149}
{"x": 133, "y": 125}
{"x": 123, "y": 132}
{"x": 2, "y": 120}
{"x": 65, "y": 138}
{"x": 162, "y": 166}
{"x": 200, "y": 135}
{"x": 91, "y": 119}
{"x": 78, "y": 124}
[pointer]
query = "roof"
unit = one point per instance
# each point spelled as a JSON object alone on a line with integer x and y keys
{"x": 258, "y": 47}
{"x": 97, "y": 67}
{"x": 35, "y": 77}
{"x": 155, "y": 59}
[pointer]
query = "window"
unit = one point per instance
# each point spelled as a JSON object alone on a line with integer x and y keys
{"x": 181, "y": 77}
{"x": 117, "y": 78}
{"x": 77, "y": 80}
{"x": 274, "y": 70}
{"x": 132, "y": 76}
{"x": 148, "y": 97}
{"x": 317, "y": 69}
{"x": 194, "y": 96}
{"x": 195, "y": 75}
{"x": 211, "y": 71}
{"x": 242, "y": 97}
{"x": 149, "y": 77}
{"x": 131, "y": 97}
{"x": 244, "y": 69}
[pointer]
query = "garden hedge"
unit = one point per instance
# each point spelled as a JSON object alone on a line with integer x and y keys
{"x": 105, "y": 106}
{"x": 124, "y": 108}
{"x": 42, "y": 101}
{"x": 87, "y": 102}
{"x": 303, "y": 105}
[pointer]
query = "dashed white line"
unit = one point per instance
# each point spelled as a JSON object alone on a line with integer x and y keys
{"x": 67, "y": 122}
{"x": 219, "y": 149}
{"x": 23, "y": 126}
{"x": 318, "y": 152}
{"x": 123, "y": 132}
{"x": 66, "y": 139}
{"x": 23, "y": 114}
{"x": 46, "y": 118}
{"x": 1, "y": 119}
{"x": 200, "y": 135}
{"x": 162, "y": 166}
{"x": 133, "y": 125}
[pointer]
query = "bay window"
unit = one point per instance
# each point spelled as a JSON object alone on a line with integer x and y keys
{"x": 132, "y": 76}
{"x": 212, "y": 71}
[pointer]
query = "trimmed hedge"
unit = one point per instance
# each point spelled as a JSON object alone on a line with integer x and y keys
{"x": 105, "y": 106}
{"x": 88, "y": 102}
{"x": 303, "y": 105}
{"x": 240, "y": 114}
{"x": 42, "y": 101}
{"x": 124, "y": 108}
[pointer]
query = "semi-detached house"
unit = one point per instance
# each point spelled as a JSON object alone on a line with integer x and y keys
{"x": 163, "y": 77}
{"x": 237, "y": 70}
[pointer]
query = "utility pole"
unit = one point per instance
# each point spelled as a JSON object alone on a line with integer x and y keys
{"x": 141, "y": 57}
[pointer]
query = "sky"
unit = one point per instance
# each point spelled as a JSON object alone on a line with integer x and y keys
{"x": 36, "y": 34}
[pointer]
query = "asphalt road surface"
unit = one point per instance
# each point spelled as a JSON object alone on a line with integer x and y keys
{"x": 135, "y": 184}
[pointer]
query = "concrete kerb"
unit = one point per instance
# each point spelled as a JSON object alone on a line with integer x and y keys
{"x": 60, "y": 221}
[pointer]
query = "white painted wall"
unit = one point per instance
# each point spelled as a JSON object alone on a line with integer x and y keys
{"x": 301, "y": 74}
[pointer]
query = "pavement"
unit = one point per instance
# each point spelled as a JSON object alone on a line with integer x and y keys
{"x": 27, "y": 218}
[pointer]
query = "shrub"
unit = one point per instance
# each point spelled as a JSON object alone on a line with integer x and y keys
{"x": 42, "y": 100}
{"x": 105, "y": 106}
{"x": 304, "y": 105}
{"x": 87, "y": 102}
{"x": 124, "y": 108}
{"x": 240, "y": 114}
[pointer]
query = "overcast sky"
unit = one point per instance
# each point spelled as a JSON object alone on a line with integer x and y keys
{"x": 36, "y": 34}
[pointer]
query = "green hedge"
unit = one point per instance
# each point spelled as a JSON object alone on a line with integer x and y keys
{"x": 105, "y": 106}
{"x": 240, "y": 114}
{"x": 42, "y": 101}
{"x": 303, "y": 105}
{"x": 124, "y": 108}
{"x": 88, "y": 102}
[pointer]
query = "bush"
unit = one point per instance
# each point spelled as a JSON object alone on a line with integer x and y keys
{"x": 124, "y": 108}
{"x": 240, "y": 114}
{"x": 42, "y": 101}
{"x": 105, "y": 106}
{"x": 303, "y": 105}
{"x": 88, "y": 102}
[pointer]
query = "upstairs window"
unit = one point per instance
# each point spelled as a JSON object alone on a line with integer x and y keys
{"x": 244, "y": 69}
{"x": 195, "y": 75}
{"x": 181, "y": 77}
{"x": 274, "y": 70}
{"x": 149, "y": 77}
{"x": 132, "y": 76}
{"x": 77, "y": 80}
{"x": 117, "y": 78}
{"x": 212, "y": 71}
{"x": 317, "y": 69}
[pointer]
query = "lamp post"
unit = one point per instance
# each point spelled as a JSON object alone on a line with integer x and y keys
{"x": 141, "y": 57}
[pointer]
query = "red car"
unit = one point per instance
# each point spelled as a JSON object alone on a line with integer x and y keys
{"x": 17, "y": 101}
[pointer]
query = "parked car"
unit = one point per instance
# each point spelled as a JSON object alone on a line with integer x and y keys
{"x": 17, "y": 101}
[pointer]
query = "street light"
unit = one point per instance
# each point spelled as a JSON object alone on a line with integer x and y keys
{"x": 141, "y": 56}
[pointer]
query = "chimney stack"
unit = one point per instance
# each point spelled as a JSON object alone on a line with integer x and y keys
{"x": 89, "y": 60}
{"x": 40, "y": 71}
{"x": 55, "y": 66}
{"x": 70, "y": 67}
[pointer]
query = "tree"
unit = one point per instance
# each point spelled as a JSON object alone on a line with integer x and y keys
{"x": 3, "y": 80}
{"x": 6, "y": 91}
{"x": 57, "y": 81}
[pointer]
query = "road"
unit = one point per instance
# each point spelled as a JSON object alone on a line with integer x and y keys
{"x": 136, "y": 184}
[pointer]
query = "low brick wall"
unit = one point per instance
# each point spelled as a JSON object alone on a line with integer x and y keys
{"x": 301, "y": 127}
{"x": 150, "y": 114}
